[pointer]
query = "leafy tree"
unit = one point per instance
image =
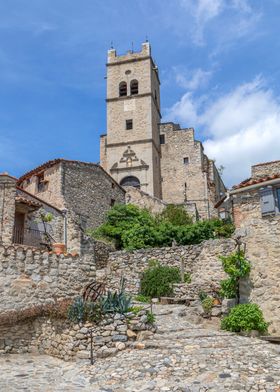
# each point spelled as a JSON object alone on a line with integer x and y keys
{"x": 130, "y": 227}
{"x": 176, "y": 215}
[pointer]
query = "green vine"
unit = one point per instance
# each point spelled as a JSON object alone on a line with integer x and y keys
{"x": 236, "y": 266}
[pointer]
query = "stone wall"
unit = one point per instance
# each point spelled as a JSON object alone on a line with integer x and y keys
{"x": 201, "y": 261}
{"x": 83, "y": 189}
{"x": 29, "y": 276}
{"x": 33, "y": 218}
{"x": 63, "y": 339}
{"x": 262, "y": 238}
{"x": 187, "y": 173}
{"x": 7, "y": 208}
{"x": 265, "y": 169}
{"x": 143, "y": 200}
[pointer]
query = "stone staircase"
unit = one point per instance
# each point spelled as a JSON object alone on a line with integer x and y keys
{"x": 175, "y": 332}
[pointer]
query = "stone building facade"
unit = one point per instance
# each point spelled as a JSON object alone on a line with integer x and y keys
{"x": 22, "y": 217}
{"x": 161, "y": 159}
{"x": 256, "y": 214}
{"x": 84, "y": 192}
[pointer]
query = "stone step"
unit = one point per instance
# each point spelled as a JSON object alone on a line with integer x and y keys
{"x": 192, "y": 345}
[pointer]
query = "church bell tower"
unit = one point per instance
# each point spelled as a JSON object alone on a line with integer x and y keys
{"x": 130, "y": 151}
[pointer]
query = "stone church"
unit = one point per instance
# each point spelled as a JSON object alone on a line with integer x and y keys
{"x": 160, "y": 159}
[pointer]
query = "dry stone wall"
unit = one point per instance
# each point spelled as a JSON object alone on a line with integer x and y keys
{"x": 201, "y": 261}
{"x": 63, "y": 339}
{"x": 31, "y": 277}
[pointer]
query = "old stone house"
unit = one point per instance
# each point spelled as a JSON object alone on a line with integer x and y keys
{"x": 161, "y": 159}
{"x": 22, "y": 217}
{"x": 256, "y": 214}
{"x": 76, "y": 194}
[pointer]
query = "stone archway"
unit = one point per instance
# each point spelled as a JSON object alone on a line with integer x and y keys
{"x": 130, "y": 181}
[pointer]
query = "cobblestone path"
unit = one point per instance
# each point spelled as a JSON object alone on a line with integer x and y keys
{"x": 180, "y": 357}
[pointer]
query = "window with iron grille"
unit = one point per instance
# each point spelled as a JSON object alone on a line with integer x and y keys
{"x": 186, "y": 161}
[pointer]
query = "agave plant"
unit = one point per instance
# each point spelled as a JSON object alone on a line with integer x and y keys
{"x": 77, "y": 311}
{"x": 117, "y": 302}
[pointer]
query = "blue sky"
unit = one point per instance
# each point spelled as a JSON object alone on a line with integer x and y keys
{"x": 219, "y": 63}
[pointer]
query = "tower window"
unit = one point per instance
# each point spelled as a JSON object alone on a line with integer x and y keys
{"x": 162, "y": 139}
{"x": 122, "y": 89}
{"x": 134, "y": 87}
{"x": 186, "y": 161}
{"x": 128, "y": 124}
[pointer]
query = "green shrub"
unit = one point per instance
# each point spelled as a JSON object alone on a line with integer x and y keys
{"x": 157, "y": 280}
{"x": 236, "y": 266}
{"x": 130, "y": 227}
{"x": 187, "y": 277}
{"x": 135, "y": 309}
{"x": 245, "y": 317}
{"x": 151, "y": 318}
{"x": 228, "y": 288}
{"x": 207, "y": 304}
{"x": 176, "y": 215}
{"x": 142, "y": 298}
{"x": 81, "y": 311}
{"x": 202, "y": 295}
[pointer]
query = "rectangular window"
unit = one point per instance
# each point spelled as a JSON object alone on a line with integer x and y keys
{"x": 113, "y": 202}
{"x": 129, "y": 124}
{"x": 267, "y": 200}
{"x": 186, "y": 161}
{"x": 162, "y": 139}
{"x": 41, "y": 183}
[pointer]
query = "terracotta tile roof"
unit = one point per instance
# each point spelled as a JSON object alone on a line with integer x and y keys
{"x": 56, "y": 161}
{"x": 252, "y": 181}
{"x": 37, "y": 199}
{"x": 29, "y": 202}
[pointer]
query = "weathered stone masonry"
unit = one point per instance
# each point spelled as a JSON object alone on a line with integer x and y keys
{"x": 200, "y": 260}
{"x": 30, "y": 277}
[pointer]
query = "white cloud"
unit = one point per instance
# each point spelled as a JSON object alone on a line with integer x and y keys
{"x": 203, "y": 11}
{"x": 241, "y": 128}
{"x": 191, "y": 79}
{"x": 234, "y": 18}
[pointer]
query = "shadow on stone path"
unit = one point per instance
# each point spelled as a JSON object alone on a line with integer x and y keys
{"x": 180, "y": 357}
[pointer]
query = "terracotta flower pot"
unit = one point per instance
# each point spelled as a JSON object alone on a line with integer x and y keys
{"x": 58, "y": 248}
{"x": 216, "y": 301}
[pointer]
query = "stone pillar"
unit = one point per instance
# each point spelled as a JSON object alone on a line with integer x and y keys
{"x": 7, "y": 208}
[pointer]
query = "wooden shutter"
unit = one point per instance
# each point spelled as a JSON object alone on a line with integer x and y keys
{"x": 267, "y": 199}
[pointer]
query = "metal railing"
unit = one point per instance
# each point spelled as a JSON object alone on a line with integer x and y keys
{"x": 31, "y": 237}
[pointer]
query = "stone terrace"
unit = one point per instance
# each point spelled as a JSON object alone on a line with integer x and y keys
{"x": 180, "y": 357}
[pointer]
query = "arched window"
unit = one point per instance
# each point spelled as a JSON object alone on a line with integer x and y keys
{"x": 134, "y": 87}
{"x": 122, "y": 89}
{"x": 130, "y": 181}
